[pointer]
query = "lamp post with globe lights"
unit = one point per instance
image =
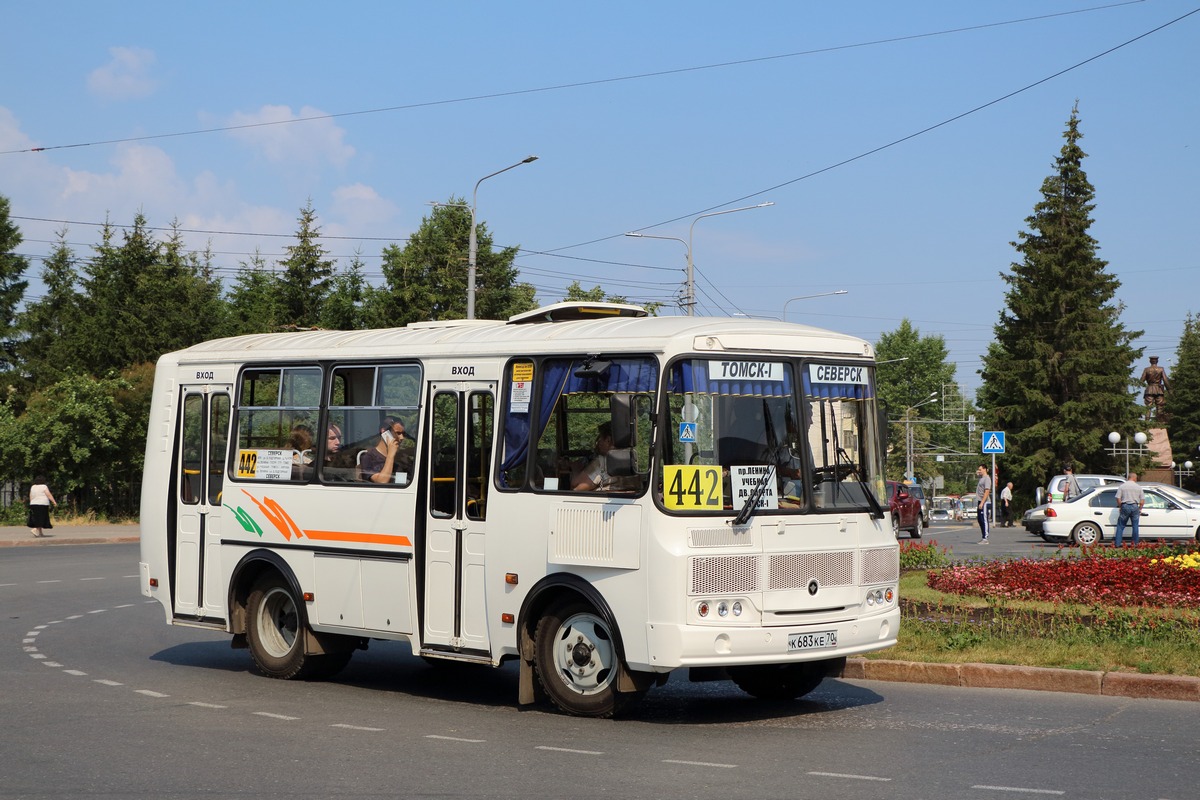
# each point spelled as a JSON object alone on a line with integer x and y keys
{"x": 1139, "y": 438}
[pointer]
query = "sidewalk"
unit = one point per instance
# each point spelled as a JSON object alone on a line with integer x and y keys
{"x": 19, "y": 535}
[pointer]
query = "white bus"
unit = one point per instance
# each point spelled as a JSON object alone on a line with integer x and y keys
{"x": 601, "y": 495}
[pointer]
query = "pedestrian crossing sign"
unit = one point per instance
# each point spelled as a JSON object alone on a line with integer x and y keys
{"x": 687, "y": 432}
{"x": 993, "y": 442}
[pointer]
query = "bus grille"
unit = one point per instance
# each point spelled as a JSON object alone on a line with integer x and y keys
{"x": 785, "y": 571}
{"x": 881, "y": 565}
{"x": 795, "y": 570}
{"x": 724, "y": 574}
{"x": 720, "y": 537}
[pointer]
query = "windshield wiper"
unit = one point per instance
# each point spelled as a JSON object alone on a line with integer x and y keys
{"x": 773, "y": 449}
{"x": 841, "y": 455}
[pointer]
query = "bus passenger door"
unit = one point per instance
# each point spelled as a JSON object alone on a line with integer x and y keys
{"x": 460, "y": 430}
{"x": 199, "y": 481}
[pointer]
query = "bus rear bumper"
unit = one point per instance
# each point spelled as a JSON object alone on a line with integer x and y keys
{"x": 673, "y": 646}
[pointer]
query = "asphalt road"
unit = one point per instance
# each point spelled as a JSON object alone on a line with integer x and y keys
{"x": 101, "y": 698}
{"x": 962, "y": 540}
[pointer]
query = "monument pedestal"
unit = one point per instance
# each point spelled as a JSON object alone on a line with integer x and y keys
{"x": 1159, "y": 446}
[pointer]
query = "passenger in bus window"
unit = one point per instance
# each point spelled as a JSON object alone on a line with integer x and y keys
{"x": 301, "y": 442}
{"x": 391, "y": 457}
{"x": 333, "y": 442}
{"x": 594, "y": 477}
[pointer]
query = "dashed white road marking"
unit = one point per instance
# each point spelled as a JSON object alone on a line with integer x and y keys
{"x": 54, "y": 581}
{"x": 91, "y": 579}
{"x": 74, "y": 672}
{"x": 150, "y": 693}
{"x": 205, "y": 705}
{"x": 699, "y": 763}
{"x": 37, "y": 655}
{"x": 107, "y": 682}
{"x": 8, "y": 584}
{"x": 846, "y": 775}
{"x": 455, "y": 739}
{"x": 124, "y": 605}
{"x": 274, "y": 716}
{"x": 356, "y": 727}
{"x": 75, "y": 616}
{"x": 1018, "y": 789}
{"x": 98, "y": 611}
{"x": 569, "y": 750}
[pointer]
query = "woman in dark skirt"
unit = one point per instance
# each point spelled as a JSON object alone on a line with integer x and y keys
{"x": 40, "y": 501}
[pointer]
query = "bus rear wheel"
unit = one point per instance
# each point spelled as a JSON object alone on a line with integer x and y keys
{"x": 275, "y": 631}
{"x": 577, "y": 661}
{"x": 779, "y": 681}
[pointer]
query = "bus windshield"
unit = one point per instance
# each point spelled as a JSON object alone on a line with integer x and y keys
{"x": 748, "y": 435}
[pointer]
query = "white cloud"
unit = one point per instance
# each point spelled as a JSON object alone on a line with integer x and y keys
{"x": 358, "y": 208}
{"x": 272, "y": 133}
{"x": 126, "y": 76}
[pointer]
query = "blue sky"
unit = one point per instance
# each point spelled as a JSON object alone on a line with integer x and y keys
{"x": 643, "y": 116}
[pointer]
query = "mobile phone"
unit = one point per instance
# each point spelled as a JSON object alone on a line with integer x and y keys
{"x": 389, "y": 437}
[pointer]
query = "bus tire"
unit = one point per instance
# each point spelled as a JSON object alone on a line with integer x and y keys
{"x": 577, "y": 661}
{"x": 275, "y": 631}
{"x": 779, "y": 681}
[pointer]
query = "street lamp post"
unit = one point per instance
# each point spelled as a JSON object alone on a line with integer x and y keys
{"x": 1182, "y": 471}
{"x": 908, "y": 434}
{"x": 690, "y": 296}
{"x": 1140, "y": 450}
{"x": 472, "y": 249}
{"x": 809, "y": 297}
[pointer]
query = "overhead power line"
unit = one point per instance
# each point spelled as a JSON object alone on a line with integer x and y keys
{"x": 562, "y": 86}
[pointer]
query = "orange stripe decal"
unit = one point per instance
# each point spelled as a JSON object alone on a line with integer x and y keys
{"x": 351, "y": 536}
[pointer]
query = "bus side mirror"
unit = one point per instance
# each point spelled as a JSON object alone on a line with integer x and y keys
{"x": 620, "y": 408}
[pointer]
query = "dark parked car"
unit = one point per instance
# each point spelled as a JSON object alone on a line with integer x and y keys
{"x": 916, "y": 491}
{"x": 905, "y": 510}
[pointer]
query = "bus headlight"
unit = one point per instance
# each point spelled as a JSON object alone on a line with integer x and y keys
{"x": 737, "y": 608}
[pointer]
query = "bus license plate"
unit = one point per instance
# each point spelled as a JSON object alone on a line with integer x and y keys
{"x": 811, "y": 641}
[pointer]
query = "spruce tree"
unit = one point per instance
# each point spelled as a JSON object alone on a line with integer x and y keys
{"x": 12, "y": 282}
{"x": 1182, "y": 410}
{"x": 304, "y": 282}
{"x": 1057, "y": 378}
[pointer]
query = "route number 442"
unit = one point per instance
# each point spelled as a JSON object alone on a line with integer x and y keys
{"x": 693, "y": 487}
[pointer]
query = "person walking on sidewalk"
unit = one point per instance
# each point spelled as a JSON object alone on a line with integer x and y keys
{"x": 1006, "y": 505}
{"x": 983, "y": 490}
{"x": 1130, "y": 499}
{"x": 40, "y": 500}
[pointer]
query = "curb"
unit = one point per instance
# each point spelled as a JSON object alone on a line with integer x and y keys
{"x": 1044, "y": 679}
{"x": 76, "y": 540}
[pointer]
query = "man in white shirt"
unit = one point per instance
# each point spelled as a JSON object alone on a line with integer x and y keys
{"x": 1006, "y": 504}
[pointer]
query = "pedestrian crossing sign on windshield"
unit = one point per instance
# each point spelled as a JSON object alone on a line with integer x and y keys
{"x": 993, "y": 442}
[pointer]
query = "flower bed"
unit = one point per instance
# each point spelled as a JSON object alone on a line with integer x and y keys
{"x": 1093, "y": 579}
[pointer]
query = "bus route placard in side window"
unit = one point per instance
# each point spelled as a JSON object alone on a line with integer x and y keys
{"x": 692, "y": 487}
{"x": 264, "y": 465}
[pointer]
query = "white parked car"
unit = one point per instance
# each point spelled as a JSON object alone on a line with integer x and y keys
{"x": 1053, "y": 493}
{"x": 1092, "y": 517}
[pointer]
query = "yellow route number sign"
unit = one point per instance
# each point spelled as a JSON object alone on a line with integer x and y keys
{"x": 692, "y": 487}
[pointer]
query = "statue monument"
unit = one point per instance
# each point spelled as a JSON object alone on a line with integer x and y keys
{"x": 1155, "y": 378}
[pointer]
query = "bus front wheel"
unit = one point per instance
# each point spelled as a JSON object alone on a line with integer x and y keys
{"x": 275, "y": 631}
{"x": 577, "y": 660}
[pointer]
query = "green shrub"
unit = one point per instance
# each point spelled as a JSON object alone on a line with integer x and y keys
{"x": 923, "y": 555}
